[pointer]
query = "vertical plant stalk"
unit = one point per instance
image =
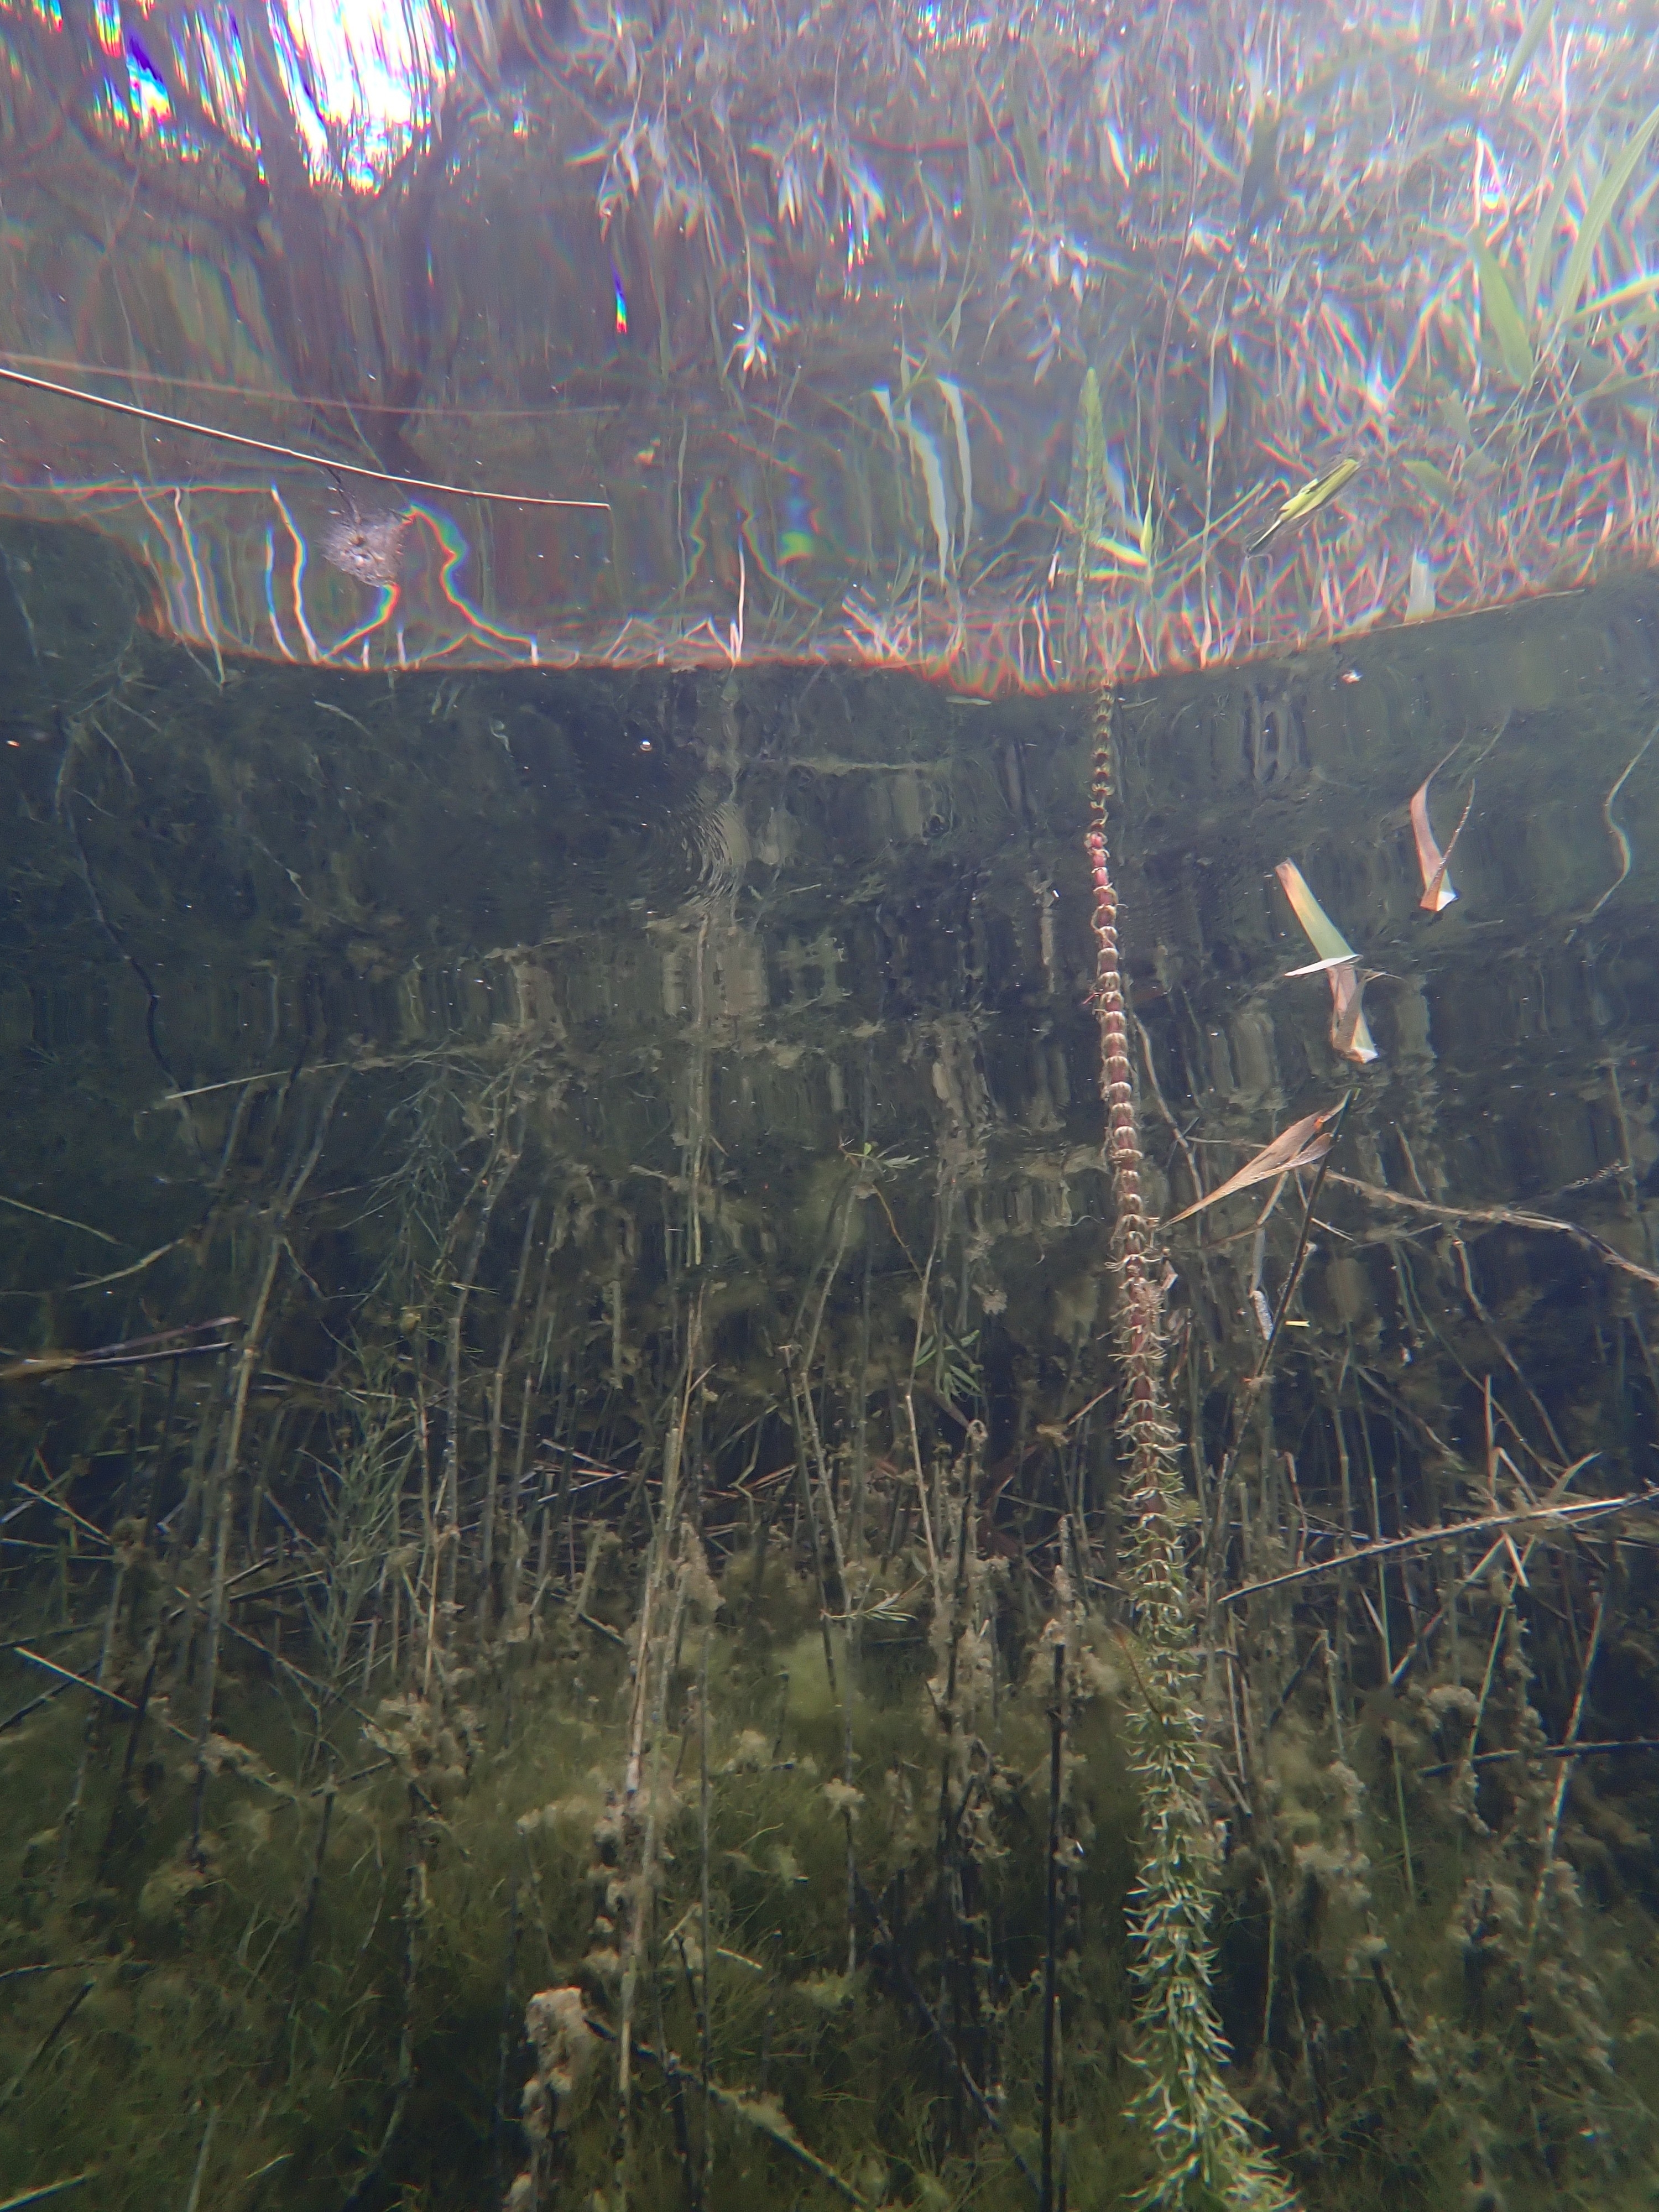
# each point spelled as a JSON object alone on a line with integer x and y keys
{"x": 491, "y": 1181}
{"x": 222, "y": 1495}
{"x": 497, "y": 1394}
{"x": 307, "y": 1919}
{"x": 676, "y": 1548}
{"x": 1051, "y": 1949}
{"x": 194, "y": 2196}
{"x": 402, "y": 2080}
{"x": 705, "y": 2049}
{"x": 1202, "y": 2135}
{"x": 510, "y": 2032}
{"x": 93, "y": 1737}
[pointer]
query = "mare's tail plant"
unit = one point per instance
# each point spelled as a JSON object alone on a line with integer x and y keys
{"x": 1201, "y": 2135}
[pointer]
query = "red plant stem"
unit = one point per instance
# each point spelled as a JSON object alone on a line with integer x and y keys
{"x": 1203, "y": 2137}
{"x": 1140, "y": 1299}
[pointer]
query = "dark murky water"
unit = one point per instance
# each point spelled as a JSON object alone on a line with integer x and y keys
{"x": 613, "y": 1104}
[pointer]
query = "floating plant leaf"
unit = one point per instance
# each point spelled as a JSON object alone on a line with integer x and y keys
{"x": 1303, "y": 1144}
{"x": 958, "y": 414}
{"x": 1349, "y": 1035}
{"x": 1643, "y": 287}
{"x": 1129, "y": 556}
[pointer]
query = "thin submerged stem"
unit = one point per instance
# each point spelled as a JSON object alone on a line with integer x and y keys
{"x": 1051, "y": 1943}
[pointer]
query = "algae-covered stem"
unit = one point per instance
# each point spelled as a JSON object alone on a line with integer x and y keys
{"x": 1202, "y": 2136}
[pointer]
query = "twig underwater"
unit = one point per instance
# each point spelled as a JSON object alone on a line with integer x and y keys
{"x": 190, "y": 1340}
{"x": 330, "y": 465}
{"x": 1531, "y": 1519}
{"x": 1616, "y": 830}
{"x": 1502, "y": 1217}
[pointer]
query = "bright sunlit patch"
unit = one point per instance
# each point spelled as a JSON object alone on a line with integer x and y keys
{"x": 216, "y": 67}
{"x": 364, "y": 81}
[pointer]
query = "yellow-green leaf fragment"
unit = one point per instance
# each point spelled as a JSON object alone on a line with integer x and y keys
{"x": 1349, "y": 1033}
{"x": 1308, "y": 501}
{"x": 1323, "y": 934}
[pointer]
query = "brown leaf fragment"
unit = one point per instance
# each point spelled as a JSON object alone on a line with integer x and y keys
{"x": 1303, "y": 1144}
{"x": 1437, "y": 892}
{"x": 1350, "y": 1035}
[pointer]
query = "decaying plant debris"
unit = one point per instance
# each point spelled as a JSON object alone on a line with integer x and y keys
{"x": 619, "y": 1670}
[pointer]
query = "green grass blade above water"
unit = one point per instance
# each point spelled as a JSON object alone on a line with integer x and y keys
{"x": 1502, "y": 318}
{"x": 1539, "y": 245}
{"x": 1531, "y": 31}
{"x": 1597, "y": 215}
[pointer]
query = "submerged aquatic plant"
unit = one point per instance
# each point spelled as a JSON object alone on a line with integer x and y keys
{"x": 1200, "y": 2132}
{"x": 656, "y": 1577}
